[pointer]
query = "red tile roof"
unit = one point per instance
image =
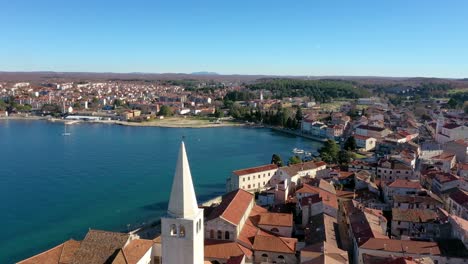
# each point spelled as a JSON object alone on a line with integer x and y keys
{"x": 232, "y": 207}
{"x": 275, "y": 244}
{"x": 136, "y": 249}
{"x": 400, "y": 183}
{"x": 276, "y": 219}
{"x": 408, "y": 246}
{"x": 413, "y": 215}
{"x": 255, "y": 169}
{"x": 460, "y": 197}
{"x": 222, "y": 249}
{"x": 62, "y": 254}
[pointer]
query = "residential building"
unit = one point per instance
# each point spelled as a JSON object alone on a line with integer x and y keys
{"x": 459, "y": 228}
{"x": 459, "y": 147}
{"x": 372, "y": 131}
{"x": 457, "y": 203}
{"x": 251, "y": 179}
{"x": 384, "y": 247}
{"x": 449, "y": 132}
{"x": 421, "y": 200}
{"x": 392, "y": 169}
{"x": 364, "y": 142}
{"x": 400, "y": 187}
{"x": 417, "y": 223}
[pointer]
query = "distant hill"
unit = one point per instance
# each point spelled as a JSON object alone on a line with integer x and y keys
{"x": 204, "y": 73}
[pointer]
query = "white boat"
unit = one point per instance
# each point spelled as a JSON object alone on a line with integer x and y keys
{"x": 65, "y": 133}
{"x": 298, "y": 151}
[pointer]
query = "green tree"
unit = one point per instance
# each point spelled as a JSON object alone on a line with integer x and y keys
{"x": 294, "y": 160}
{"x": 165, "y": 111}
{"x": 3, "y": 105}
{"x": 299, "y": 114}
{"x": 452, "y": 103}
{"x": 329, "y": 151}
{"x": 344, "y": 157}
{"x": 51, "y": 108}
{"x": 23, "y": 108}
{"x": 218, "y": 113}
{"x": 276, "y": 159}
{"x": 350, "y": 144}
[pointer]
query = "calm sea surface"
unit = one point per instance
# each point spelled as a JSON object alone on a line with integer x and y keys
{"x": 54, "y": 187}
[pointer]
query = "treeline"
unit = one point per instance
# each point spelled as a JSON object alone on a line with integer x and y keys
{"x": 282, "y": 117}
{"x": 459, "y": 100}
{"x": 425, "y": 90}
{"x": 239, "y": 96}
{"x": 321, "y": 90}
{"x": 10, "y": 105}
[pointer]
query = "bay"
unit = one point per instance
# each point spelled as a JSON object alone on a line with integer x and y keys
{"x": 54, "y": 187}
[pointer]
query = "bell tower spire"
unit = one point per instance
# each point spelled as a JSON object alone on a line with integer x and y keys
{"x": 183, "y": 202}
{"x": 182, "y": 229}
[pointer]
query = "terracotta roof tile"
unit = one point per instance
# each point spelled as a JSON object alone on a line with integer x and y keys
{"x": 276, "y": 219}
{"x": 99, "y": 246}
{"x": 400, "y": 183}
{"x": 62, "y": 254}
{"x": 136, "y": 249}
{"x": 255, "y": 169}
{"x": 232, "y": 206}
{"x": 223, "y": 249}
{"x": 275, "y": 244}
{"x": 414, "y": 215}
{"x": 409, "y": 246}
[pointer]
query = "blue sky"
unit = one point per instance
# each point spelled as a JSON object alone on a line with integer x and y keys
{"x": 310, "y": 37}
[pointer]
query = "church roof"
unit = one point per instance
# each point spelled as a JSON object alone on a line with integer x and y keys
{"x": 233, "y": 206}
{"x": 99, "y": 246}
{"x": 183, "y": 202}
{"x": 62, "y": 254}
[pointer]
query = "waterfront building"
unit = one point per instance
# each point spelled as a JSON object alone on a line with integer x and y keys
{"x": 251, "y": 179}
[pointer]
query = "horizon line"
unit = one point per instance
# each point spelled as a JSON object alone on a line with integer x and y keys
{"x": 211, "y": 73}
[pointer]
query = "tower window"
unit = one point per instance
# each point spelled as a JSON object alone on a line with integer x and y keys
{"x": 181, "y": 231}
{"x": 211, "y": 233}
{"x": 226, "y": 235}
{"x": 173, "y": 230}
{"x": 275, "y": 230}
{"x": 220, "y": 234}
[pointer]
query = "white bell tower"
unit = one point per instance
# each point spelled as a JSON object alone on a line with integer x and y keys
{"x": 182, "y": 229}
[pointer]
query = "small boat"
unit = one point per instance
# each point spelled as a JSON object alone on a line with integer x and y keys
{"x": 298, "y": 151}
{"x": 65, "y": 133}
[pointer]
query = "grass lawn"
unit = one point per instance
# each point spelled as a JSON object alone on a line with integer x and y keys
{"x": 359, "y": 156}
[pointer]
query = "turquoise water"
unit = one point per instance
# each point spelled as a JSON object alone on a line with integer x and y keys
{"x": 53, "y": 188}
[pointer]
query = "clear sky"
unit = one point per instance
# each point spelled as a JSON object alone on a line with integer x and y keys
{"x": 287, "y": 37}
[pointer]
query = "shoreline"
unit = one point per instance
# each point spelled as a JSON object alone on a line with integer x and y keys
{"x": 166, "y": 123}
